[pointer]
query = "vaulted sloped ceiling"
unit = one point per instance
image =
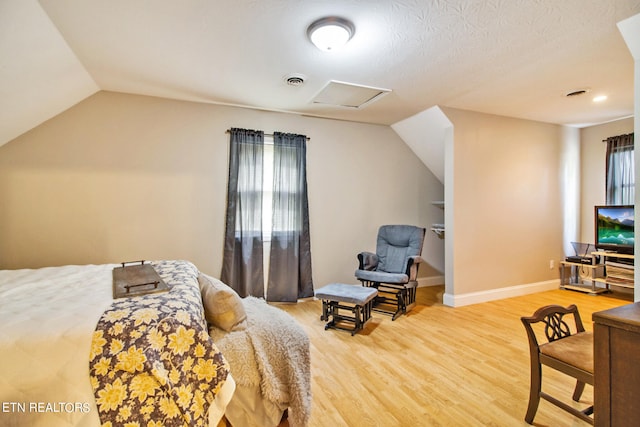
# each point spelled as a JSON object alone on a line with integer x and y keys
{"x": 630, "y": 29}
{"x": 40, "y": 76}
{"x": 509, "y": 57}
{"x": 426, "y": 133}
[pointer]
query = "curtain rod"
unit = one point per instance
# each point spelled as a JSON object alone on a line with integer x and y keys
{"x": 618, "y": 136}
{"x": 266, "y": 134}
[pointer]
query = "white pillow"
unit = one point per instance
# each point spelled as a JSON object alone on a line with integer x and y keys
{"x": 222, "y": 305}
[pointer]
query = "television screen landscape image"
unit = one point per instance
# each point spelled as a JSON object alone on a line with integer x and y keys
{"x": 615, "y": 228}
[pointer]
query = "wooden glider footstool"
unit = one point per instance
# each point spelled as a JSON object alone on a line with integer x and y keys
{"x": 334, "y": 298}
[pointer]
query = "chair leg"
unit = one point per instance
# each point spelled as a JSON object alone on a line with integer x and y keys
{"x": 400, "y": 305}
{"x": 578, "y": 391}
{"x": 534, "y": 392}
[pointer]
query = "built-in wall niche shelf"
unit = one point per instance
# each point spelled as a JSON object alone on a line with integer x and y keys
{"x": 438, "y": 229}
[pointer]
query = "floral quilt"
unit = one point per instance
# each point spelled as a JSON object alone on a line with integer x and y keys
{"x": 152, "y": 362}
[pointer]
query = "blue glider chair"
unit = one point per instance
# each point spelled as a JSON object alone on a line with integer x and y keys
{"x": 393, "y": 269}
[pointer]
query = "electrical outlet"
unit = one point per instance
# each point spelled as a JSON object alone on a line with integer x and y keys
{"x": 551, "y": 264}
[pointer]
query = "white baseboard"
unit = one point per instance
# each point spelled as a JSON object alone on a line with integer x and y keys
{"x": 430, "y": 281}
{"x": 459, "y": 300}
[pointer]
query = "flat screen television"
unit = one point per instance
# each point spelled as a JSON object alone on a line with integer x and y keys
{"x": 615, "y": 228}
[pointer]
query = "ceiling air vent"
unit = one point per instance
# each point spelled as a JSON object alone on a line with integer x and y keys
{"x": 577, "y": 92}
{"x": 295, "y": 79}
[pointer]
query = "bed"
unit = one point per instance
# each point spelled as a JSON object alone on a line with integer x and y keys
{"x": 269, "y": 356}
{"x": 49, "y": 319}
{"x": 63, "y": 334}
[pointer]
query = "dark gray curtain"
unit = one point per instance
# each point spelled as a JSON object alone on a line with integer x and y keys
{"x": 242, "y": 266}
{"x": 290, "y": 258}
{"x": 620, "y": 170}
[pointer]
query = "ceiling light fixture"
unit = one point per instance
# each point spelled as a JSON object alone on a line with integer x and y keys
{"x": 600, "y": 98}
{"x": 331, "y": 32}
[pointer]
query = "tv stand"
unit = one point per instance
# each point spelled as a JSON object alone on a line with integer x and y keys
{"x": 581, "y": 277}
{"x": 619, "y": 269}
{"x": 613, "y": 269}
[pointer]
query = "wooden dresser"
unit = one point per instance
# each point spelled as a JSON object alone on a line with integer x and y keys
{"x": 617, "y": 366}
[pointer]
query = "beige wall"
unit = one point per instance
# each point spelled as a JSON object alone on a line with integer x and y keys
{"x": 507, "y": 212}
{"x": 123, "y": 177}
{"x": 593, "y": 166}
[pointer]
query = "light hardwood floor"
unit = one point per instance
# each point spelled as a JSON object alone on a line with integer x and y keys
{"x": 437, "y": 365}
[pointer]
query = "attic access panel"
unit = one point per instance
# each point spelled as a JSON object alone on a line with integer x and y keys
{"x": 348, "y": 95}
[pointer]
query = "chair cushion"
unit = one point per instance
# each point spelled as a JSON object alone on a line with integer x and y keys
{"x": 395, "y": 243}
{"x": 381, "y": 277}
{"x": 575, "y": 350}
{"x": 354, "y": 294}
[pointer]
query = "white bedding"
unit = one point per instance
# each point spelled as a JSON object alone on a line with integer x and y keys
{"x": 47, "y": 318}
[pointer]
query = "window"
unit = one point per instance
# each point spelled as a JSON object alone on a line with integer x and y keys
{"x": 267, "y": 188}
{"x": 267, "y": 216}
{"x": 255, "y": 189}
{"x": 620, "y": 170}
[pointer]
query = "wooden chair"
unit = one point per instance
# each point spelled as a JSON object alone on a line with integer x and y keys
{"x": 566, "y": 351}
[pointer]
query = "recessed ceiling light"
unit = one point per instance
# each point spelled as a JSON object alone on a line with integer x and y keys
{"x": 330, "y": 33}
{"x": 599, "y": 98}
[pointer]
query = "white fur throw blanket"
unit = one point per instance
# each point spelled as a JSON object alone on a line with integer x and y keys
{"x": 272, "y": 352}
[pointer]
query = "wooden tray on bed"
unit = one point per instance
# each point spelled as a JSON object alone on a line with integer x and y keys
{"x": 136, "y": 280}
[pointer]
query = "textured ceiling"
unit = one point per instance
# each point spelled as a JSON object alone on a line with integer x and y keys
{"x": 508, "y": 57}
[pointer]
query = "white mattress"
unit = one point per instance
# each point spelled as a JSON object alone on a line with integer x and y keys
{"x": 47, "y": 318}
